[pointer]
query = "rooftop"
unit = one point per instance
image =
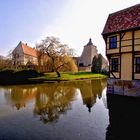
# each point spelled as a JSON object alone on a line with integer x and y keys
{"x": 28, "y": 50}
{"x": 90, "y": 42}
{"x": 125, "y": 19}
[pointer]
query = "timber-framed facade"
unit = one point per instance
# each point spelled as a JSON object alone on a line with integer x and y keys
{"x": 122, "y": 38}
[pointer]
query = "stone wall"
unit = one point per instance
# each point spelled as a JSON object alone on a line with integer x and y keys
{"x": 123, "y": 87}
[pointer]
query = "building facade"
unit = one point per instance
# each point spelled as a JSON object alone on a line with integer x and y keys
{"x": 87, "y": 55}
{"x": 84, "y": 62}
{"x": 24, "y": 55}
{"x": 122, "y": 37}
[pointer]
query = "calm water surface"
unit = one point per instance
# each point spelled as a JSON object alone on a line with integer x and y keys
{"x": 54, "y": 111}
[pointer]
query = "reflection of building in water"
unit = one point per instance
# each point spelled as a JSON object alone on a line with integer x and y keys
{"x": 19, "y": 96}
{"x": 124, "y": 118}
{"x": 104, "y": 98}
{"x": 52, "y": 101}
{"x": 90, "y": 90}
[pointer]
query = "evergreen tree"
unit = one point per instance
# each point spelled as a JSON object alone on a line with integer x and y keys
{"x": 97, "y": 64}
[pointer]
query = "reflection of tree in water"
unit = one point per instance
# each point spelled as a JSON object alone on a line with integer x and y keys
{"x": 18, "y": 96}
{"x": 90, "y": 90}
{"x": 53, "y": 100}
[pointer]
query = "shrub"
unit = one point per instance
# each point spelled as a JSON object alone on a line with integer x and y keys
{"x": 26, "y": 73}
{"x": 9, "y": 76}
{"x": 6, "y": 72}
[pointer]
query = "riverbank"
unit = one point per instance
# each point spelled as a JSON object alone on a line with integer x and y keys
{"x": 26, "y": 78}
{"x": 68, "y": 76}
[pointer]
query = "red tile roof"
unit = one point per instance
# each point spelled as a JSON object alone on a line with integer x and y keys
{"x": 128, "y": 18}
{"x": 28, "y": 50}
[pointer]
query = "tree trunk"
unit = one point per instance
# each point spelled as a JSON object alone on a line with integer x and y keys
{"x": 58, "y": 74}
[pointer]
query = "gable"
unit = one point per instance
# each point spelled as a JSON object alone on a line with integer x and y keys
{"x": 18, "y": 50}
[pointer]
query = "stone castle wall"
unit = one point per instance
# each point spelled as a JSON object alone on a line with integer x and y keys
{"x": 84, "y": 62}
{"x": 87, "y": 55}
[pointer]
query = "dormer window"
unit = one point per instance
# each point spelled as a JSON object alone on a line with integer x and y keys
{"x": 113, "y": 42}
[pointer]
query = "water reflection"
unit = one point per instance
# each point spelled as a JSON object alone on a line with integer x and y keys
{"x": 51, "y": 101}
{"x": 90, "y": 90}
{"x": 54, "y": 99}
{"x": 124, "y": 118}
{"x": 19, "y": 96}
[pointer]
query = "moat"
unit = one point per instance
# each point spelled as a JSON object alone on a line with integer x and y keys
{"x": 61, "y": 111}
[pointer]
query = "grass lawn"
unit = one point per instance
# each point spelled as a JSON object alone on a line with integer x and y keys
{"x": 65, "y": 76}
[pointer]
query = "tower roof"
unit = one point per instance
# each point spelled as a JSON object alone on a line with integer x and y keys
{"x": 90, "y": 42}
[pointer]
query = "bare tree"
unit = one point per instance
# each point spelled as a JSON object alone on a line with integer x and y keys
{"x": 5, "y": 62}
{"x": 60, "y": 55}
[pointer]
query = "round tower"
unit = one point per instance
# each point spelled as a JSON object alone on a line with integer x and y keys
{"x": 88, "y": 53}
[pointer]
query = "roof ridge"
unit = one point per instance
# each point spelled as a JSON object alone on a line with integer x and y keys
{"x": 25, "y": 44}
{"x": 125, "y": 9}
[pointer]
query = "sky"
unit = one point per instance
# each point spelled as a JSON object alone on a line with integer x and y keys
{"x": 73, "y": 21}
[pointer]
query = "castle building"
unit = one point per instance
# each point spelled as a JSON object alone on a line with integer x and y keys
{"x": 24, "y": 55}
{"x": 88, "y": 53}
{"x": 122, "y": 37}
{"x": 86, "y": 58}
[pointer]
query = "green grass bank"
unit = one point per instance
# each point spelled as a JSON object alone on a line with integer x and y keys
{"x": 67, "y": 76}
{"x": 14, "y": 77}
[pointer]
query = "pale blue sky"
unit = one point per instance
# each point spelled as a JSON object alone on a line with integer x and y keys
{"x": 25, "y": 20}
{"x": 73, "y": 21}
